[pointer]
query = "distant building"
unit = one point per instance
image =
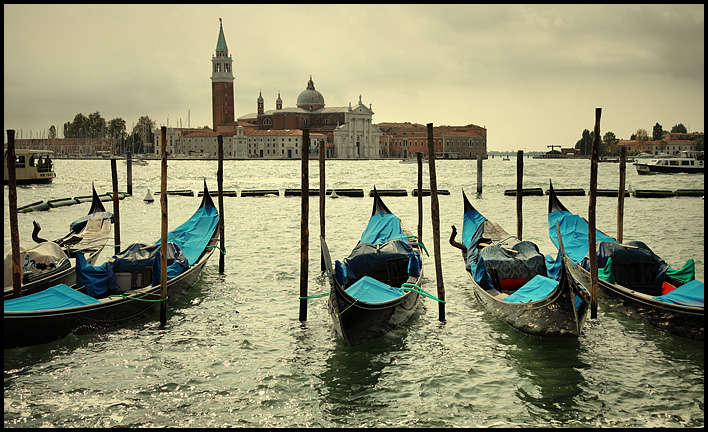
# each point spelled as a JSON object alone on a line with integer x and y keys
{"x": 673, "y": 143}
{"x": 349, "y": 131}
{"x": 403, "y": 140}
{"x": 67, "y": 146}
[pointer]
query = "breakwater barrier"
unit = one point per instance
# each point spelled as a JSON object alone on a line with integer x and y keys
{"x": 61, "y": 202}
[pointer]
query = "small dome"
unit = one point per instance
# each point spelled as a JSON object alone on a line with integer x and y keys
{"x": 310, "y": 97}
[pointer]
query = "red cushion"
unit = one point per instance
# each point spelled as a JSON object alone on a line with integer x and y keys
{"x": 511, "y": 284}
{"x": 666, "y": 287}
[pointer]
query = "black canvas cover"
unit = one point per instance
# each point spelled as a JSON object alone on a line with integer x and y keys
{"x": 368, "y": 259}
{"x": 525, "y": 264}
{"x": 629, "y": 262}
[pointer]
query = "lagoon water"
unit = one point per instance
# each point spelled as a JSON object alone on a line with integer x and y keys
{"x": 234, "y": 353}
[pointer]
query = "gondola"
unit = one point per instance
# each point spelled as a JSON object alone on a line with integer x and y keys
{"x": 510, "y": 279}
{"x": 376, "y": 288}
{"x": 53, "y": 262}
{"x": 122, "y": 290}
{"x": 631, "y": 278}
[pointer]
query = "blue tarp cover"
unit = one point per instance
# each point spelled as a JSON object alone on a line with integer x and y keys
{"x": 369, "y": 290}
{"x": 688, "y": 294}
{"x": 185, "y": 245}
{"x": 57, "y": 297}
{"x": 574, "y": 230}
{"x": 537, "y": 288}
{"x": 193, "y": 235}
{"x": 381, "y": 228}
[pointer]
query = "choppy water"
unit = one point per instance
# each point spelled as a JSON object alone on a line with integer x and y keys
{"x": 233, "y": 352}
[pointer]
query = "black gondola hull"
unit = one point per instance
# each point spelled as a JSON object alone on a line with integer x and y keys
{"x": 358, "y": 322}
{"x": 555, "y": 315}
{"x": 680, "y": 320}
{"x": 37, "y": 327}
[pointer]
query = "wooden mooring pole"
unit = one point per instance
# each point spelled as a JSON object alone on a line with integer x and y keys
{"x": 220, "y": 186}
{"x": 116, "y": 207}
{"x": 304, "y": 230}
{"x": 129, "y": 170}
{"x": 479, "y": 174}
{"x": 163, "y": 238}
{"x": 592, "y": 253}
{"x": 12, "y": 201}
{"x": 323, "y": 149}
{"x": 435, "y": 210}
{"x": 419, "y": 157}
{"x": 519, "y": 193}
{"x": 620, "y": 195}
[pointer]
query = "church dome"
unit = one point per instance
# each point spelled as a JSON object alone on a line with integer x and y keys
{"x": 310, "y": 97}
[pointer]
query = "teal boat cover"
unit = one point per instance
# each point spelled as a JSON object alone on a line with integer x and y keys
{"x": 383, "y": 227}
{"x": 185, "y": 245}
{"x": 688, "y": 294}
{"x": 369, "y": 290}
{"x": 193, "y": 235}
{"x": 574, "y": 230}
{"x": 57, "y": 297}
{"x": 537, "y": 288}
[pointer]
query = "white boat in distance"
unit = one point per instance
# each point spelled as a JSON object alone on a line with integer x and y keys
{"x": 31, "y": 166}
{"x": 687, "y": 161}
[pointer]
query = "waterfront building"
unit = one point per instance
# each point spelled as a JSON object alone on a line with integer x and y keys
{"x": 403, "y": 140}
{"x": 348, "y": 130}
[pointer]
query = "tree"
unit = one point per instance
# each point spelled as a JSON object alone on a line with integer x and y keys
{"x": 679, "y": 128}
{"x": 698, "y": 144}
{"x": 657, "y": 132}
{"x": 642, "y": 135}
{"x": 142, "y": 133}
{"x": 52, "y": 132}
{"x": 96, "y": 125}
{"x": 79, "y": 127}
{"x": 610, "y": 143}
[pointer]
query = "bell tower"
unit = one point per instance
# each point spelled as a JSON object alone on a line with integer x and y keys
{"x": 222, "y": 83}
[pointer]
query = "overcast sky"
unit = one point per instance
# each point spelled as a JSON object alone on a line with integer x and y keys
{"x": 532, "y": 75}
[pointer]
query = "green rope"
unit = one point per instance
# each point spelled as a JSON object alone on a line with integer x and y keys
{"x": 502, "y": 241}
{"x": 138, "y": 299}
{"x": 314, "y": 296}
{"x": 419, "y": 244}
{"x": 215, "y": 246}
{"x": 420, "y": 291}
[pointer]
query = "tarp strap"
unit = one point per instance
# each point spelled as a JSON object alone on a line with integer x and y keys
{"x": 421, "y": 291}
{"x": 502, "y": 241}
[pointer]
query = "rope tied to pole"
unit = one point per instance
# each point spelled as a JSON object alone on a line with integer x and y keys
{"x": 421, "y": 291}
{"x": 418, "y": 244}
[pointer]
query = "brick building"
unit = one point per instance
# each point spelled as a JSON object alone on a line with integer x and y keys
{"x": 403, "y": 140}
